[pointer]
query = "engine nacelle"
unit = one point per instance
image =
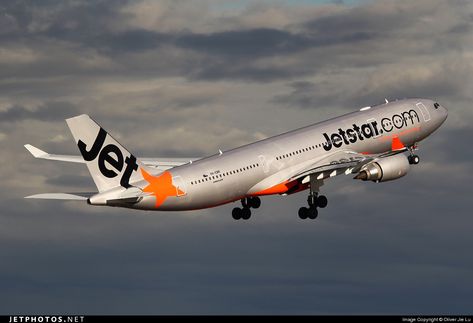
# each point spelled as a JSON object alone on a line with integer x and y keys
{"x": 385, "y": 169}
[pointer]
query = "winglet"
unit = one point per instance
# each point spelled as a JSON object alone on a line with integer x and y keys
{"x": 36, "y": 152}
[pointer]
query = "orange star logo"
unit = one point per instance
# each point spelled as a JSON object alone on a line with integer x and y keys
{"x": 160, "y": 186}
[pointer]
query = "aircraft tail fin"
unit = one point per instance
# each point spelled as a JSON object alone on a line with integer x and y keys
{"x": 109, "y": 163}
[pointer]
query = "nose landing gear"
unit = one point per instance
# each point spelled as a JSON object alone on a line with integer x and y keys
{"x": 413, "y": 158}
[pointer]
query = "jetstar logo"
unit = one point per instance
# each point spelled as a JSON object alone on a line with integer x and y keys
{"x": 112, "y": 155}
{"x": 160, "y": 186}
{"x": 368, "y": 130}
{"x": 111, "y": 163}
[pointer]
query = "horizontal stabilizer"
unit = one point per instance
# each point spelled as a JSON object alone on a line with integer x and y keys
{"x": 38, "y": 153}
{"x": 62, "y": 196}
{"x": 157, "y": 162}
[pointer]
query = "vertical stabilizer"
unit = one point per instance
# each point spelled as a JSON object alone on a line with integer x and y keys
{"x": 109, "y": 163}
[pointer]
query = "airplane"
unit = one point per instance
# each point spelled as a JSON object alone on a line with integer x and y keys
{"x": 375, "y": 143}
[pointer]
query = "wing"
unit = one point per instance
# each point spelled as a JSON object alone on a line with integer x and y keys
{"x": 294, "y": 179}
{"x": 341, "y": 162}
{"x": 158, "y": 163}
{"x": 166, "y": 163}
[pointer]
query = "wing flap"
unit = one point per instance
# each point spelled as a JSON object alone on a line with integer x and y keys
{"x": 342, "y": 162}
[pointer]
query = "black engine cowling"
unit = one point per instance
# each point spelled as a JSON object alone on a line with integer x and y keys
{"x": 385, "y": 169}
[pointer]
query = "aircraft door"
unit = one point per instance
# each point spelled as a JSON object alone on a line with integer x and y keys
{"x": 424, "y": 110}
{"x": 180, "y": 186}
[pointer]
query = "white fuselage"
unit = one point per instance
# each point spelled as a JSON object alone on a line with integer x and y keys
{"x": 256, "y": 169}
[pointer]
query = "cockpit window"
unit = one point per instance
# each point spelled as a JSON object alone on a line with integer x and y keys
{"x": 436, "y": 105}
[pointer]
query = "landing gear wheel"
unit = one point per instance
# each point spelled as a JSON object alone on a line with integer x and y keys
{"x": 413, "y": 159}
{"x": 245, "y": 213}
{"x": 237, "y": 213}
{"x": 322, "y": 201}
{"x": 303, "y": 213}
{"x": 255, "y": 202}
{"x": 251, "y": 202}
{"x": 313, "y": 213}
{"x": 312, "y": 199}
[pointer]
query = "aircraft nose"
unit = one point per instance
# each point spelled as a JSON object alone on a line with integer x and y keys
{"x": 441, "y": 112}
{"x": 444, "y": 112}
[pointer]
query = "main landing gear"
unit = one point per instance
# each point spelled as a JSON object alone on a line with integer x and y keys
{"x": 245, "y": 212}
{"x": 314, "y": 201}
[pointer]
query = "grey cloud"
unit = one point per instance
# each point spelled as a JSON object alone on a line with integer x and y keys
{"x": 235, "y": 47}
{"x": 461, "y": 147}
{"x": 71, "y": 181}
{"x": 40, "y": 16}
{"x": 232, "y": 54}
{"x": 245, "y": 43}
{"x": 218, "y": 70}
{"x": 272, "y": 266}
{"x": 443, "y": 80}
{"x": 461, "y": 28}
{"x": 363, "y": 19}
{"x": 129, "y": 41}
{"x": 7, "y": 24}
{"x": 304, "y": 94}
{"x": 51, "y": 111}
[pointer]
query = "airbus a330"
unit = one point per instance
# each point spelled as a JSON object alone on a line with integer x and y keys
{"x": 375, "y": 144}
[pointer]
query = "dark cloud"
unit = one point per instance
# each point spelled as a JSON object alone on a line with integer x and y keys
{"x": 219, "y": 69}
{"x": 461, "y": 28}
{"x": 246, "y": 43}
{"x": 235, "y": 53}
{"x": 51, "y": 111}
{"x": 130, "y": 41}
{"x": 56, "y": 18}
{"x": 304, "y": 94}
{"x": 71, "y": 181}
{"x": 93, "y": 261}
{"x": 438, "y": 81}
{"x": 460, "y": 150}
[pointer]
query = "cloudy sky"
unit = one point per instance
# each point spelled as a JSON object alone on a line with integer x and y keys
{"x": 186, "y": 78}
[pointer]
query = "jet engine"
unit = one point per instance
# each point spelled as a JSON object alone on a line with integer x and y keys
{"x": 385, "y": 169}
